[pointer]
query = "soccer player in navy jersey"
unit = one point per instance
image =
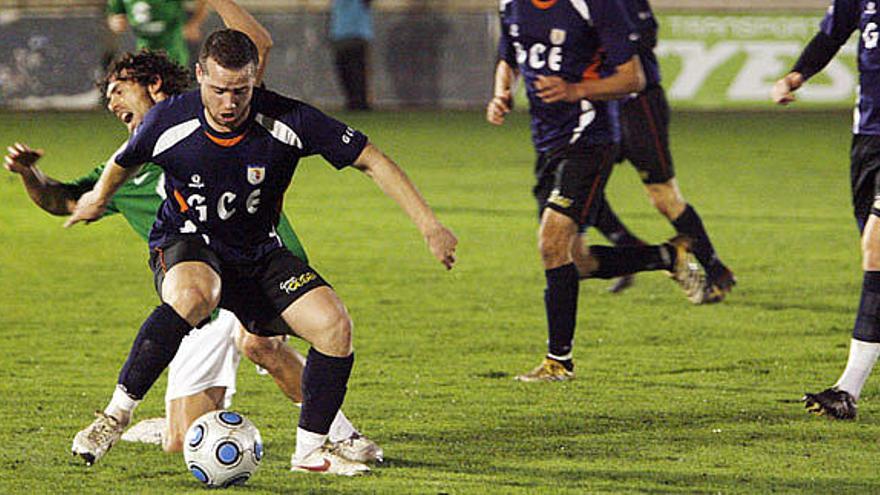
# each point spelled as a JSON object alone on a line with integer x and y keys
{"x": 229, "y": 151}
{"x": 201, "y": 377}
{"x": 842, "y": 19}
{"x": 575, "y": 56}
{"x": 644, "y": 124}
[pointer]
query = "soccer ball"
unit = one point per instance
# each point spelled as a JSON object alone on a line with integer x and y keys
{"x": 222, "y": 448}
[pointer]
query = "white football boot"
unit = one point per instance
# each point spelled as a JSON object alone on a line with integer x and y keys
{"x": 93, "y": 442}
{"x": 146, "y": 431}
{"x": 358, "y": 448}
{"x": 324, "y": 461}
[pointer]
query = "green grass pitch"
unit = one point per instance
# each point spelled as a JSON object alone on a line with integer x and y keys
{"x": 670, "y": 398}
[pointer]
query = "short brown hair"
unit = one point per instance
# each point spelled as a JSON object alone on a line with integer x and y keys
{"x": 231, "y": 49}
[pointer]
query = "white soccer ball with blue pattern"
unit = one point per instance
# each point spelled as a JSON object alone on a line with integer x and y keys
{"x": 222, "y": 448}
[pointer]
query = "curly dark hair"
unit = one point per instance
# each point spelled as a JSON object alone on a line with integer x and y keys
{"x": 231, "y": 49}
{"x": 144, "y": 67}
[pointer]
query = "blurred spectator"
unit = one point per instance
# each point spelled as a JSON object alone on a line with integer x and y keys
{"x": 351, "y": 29}
{"x": 158, "y": 24}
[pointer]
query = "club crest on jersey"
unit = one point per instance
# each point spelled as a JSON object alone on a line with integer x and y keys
{"x": 256, "y": 174}
{"x": 196, "y": 181}
{"x": 557, "y": 36}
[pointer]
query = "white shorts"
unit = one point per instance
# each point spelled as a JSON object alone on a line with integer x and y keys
{"x": 207, "y": 358}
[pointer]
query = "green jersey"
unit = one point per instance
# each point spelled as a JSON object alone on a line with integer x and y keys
{"x": 157, "y": 25}
{"x": 139, "y": 199}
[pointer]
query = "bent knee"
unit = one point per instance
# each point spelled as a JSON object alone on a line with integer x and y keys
{"x": 192, "y": 303}
{"x": 259, "y": 349}
{"x": 336, "y": 334}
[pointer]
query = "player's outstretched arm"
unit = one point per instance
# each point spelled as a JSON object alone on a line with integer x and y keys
{"x": 502, "y": 99}
{"x": 394, "y": 183}
{"x": 46, "y": 192}
{"x": 629, "y": 78}
{"x": 235, "y": 17}
{"x": 92, "y": 205}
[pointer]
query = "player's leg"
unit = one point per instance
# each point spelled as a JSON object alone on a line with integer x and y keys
{"x": 645, "y": 128}
{"x": 182, "y": 411}
{"x": 201, "y": 378}
{"x": 320, "y": 318}
{"x": 610, "y": 225}
{"x": 579, "y": 176}
{"x": 285, "y": 295}
{"x": 190, "y": 290}
{"x": 839, "y": 401}
{"x": 286, "y": 365}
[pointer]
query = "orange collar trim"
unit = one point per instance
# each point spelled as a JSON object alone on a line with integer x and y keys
{"x": 227, "y": 143}
{"x": 544, "y": 4}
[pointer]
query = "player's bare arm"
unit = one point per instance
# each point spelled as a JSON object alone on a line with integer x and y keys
{"x": 235, "y": 17}
{"x": 94, "y": 203}
{"x": 192, "y": 30}
{"x": 628, "y": 78}
{"x": 502, "y": 100}
{"x": 394, "y": 183}
{"x": 783, "y": 90}
{"x": 46, "y": 192}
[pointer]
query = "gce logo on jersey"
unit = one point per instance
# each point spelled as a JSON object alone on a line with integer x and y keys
{"x": 870, "y": 35}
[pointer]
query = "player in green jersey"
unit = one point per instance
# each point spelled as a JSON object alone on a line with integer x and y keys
{"x": 158, "y": 24}
{"x": 134, "y": 84}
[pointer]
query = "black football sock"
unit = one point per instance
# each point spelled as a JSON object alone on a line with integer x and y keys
{"x": 867, "y": 326}
{"x": 690, "y": 224}
{"x": 324, "y": 383}
{"x": 609, "y": 224}
{"x": 623, "y": 260}
{"x": 153, "y": 348}
{"x": 560, "y": 302}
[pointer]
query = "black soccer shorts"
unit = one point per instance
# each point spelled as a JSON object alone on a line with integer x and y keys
{"x": 864, "y": 176}
{"x": 644, "y": 128}
{"x": 571, "y": 179}
{"x": 257, "y": 293}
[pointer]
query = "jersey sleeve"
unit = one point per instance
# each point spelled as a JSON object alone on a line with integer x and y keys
{"x": 321, "y": 134}
{"x": 617, "y": 33}
{"x": 506, "y": 50}
{"x": 841, "y": 20}
{"x": 115, "y": 7}
{"x": 86, "y": 183}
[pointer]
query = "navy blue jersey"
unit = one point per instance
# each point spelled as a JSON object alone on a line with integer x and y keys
{"x": 572, "y": 39}
{"x": 844, "y": 17}
{"x": 646, "y": 24}
{"x": 229, "y": 187}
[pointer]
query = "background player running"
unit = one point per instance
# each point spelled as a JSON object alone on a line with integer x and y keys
{"x": 843, "y": 18}
{"x": 202, "y": 374}
{"x": 644, "y": 125}
{"x": 214, "y": 241}
{"x": 558, "y": 46}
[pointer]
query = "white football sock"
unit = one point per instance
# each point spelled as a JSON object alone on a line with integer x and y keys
{"x": 341, "y": 428}
{"x": 862, "y": 356}
{"x": 306, "y": 443}
{"x": 121, "y": 406}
